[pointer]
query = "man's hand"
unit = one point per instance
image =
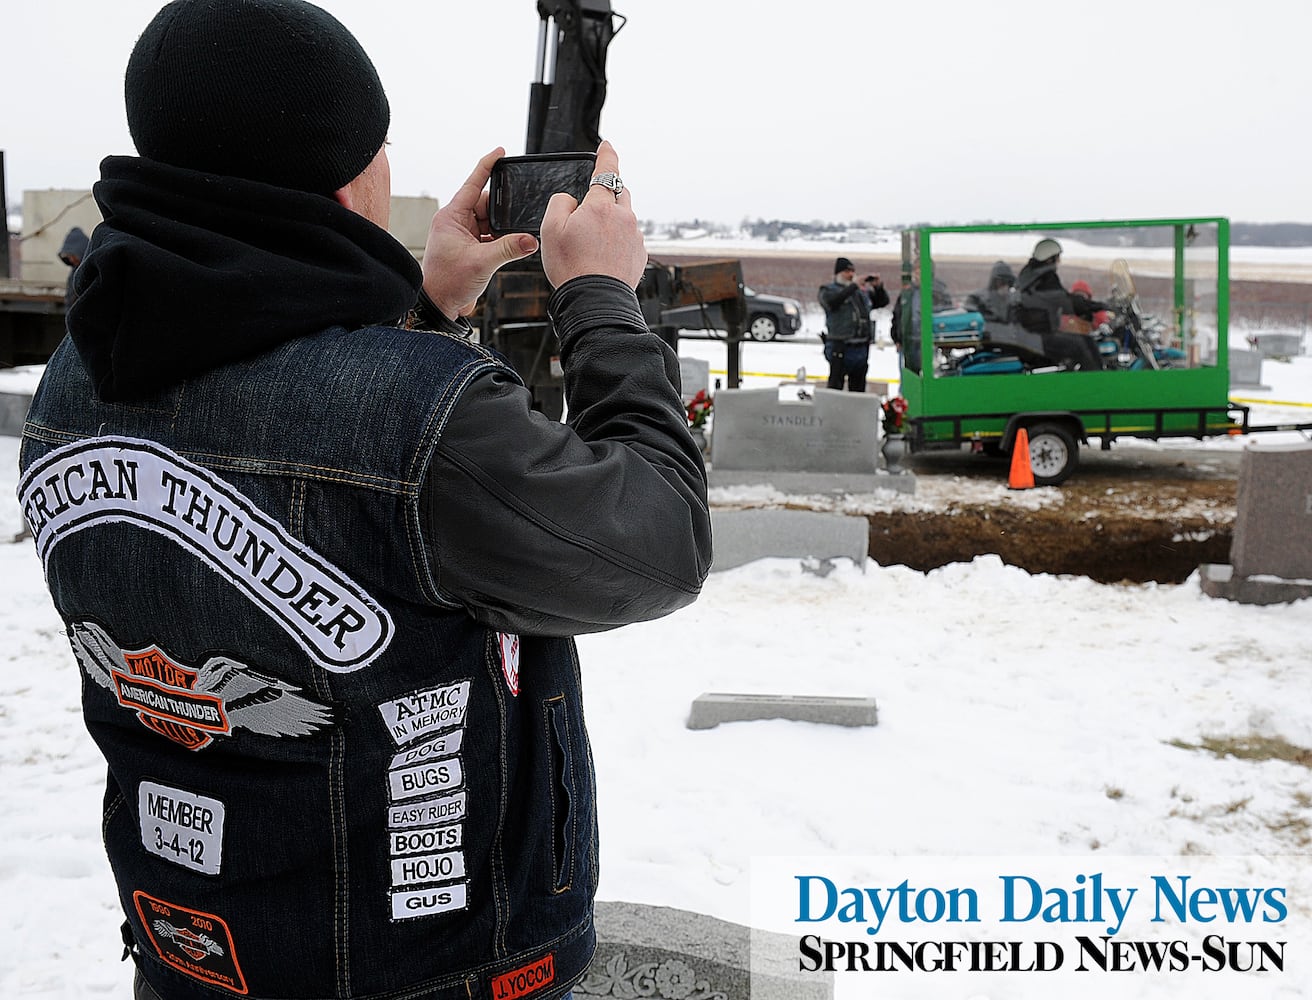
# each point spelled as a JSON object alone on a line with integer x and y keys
{"x": 599, "y": 235}
{"x": 460, "y": 256}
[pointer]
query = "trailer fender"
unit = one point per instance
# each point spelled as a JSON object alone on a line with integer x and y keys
{"x": 1062, "y": 418}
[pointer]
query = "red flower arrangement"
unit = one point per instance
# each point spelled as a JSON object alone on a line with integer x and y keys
{"x": 895, "y": 412}
{"x": 699, "y": 408}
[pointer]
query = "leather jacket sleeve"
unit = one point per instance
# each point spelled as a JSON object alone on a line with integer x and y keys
{"x": 539, "y": 527}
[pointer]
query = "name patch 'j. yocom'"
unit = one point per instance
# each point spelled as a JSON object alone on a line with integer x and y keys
{"x": 105, "y": 480}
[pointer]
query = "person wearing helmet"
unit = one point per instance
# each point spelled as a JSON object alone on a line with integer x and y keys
{"x": 1043, "y": 300}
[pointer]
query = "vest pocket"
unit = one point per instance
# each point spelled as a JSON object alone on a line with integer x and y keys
{"x": 563, "y": 811}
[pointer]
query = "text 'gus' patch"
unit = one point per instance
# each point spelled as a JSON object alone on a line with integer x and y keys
{"x": 122, "y": 480}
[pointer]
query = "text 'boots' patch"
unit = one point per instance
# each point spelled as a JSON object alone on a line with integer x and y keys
{"x": 523, "y": 981}
{"x": 195, "y": 944}
{"x": 185, "y": 704}
{"x": 181, "y": 827}
{"x": 433, "y": 838}
{"x": 122, "y": 480}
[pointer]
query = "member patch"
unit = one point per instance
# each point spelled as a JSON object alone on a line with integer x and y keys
{"x": 509, "y": 648}
{"x": 195, "y": 944}
{"x": 108, "y": 480}
{"x": 429, "y": 812}
{"x": 444, "y": 746}
{"x": 525, "y": 980}
{"x": 181, "y": 827}
{"x": 193, "y": 706}
{"x": 427, "y": 902}
{"x": 424, "y": 713}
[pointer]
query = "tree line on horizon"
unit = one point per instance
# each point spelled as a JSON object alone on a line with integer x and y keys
{"x": 1265, "y": 234}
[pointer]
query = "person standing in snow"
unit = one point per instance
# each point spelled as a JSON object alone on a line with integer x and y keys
{"x": 847, "y": 328}
{"x": 319, "y": 560}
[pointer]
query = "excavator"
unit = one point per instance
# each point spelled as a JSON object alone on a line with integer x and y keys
{"x": 564, "y": 115}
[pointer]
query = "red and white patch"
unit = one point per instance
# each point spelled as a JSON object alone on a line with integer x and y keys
{"x": 509, "y": 646}
{"x": 523, "y": 981}
{"x": 190, "y": 942}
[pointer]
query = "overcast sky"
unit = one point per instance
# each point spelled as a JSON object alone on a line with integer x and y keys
{"x": 933, "y": 111}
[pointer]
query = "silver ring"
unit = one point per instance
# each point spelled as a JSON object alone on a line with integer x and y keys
{"x": 611, "y": 182}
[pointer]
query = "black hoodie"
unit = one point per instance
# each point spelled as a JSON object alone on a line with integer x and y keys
{"x": 190, "y": 271}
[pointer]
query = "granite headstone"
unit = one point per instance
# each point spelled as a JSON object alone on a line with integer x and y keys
{"x": 695, "y": 375}
{"x": 1273, "y": 523}
{"x": 1271, "y": 551}
{"x": 810, "y": 439}
{"x": 712, "y": 708}
{"x": 1246, "y": 368}
{"x": 743, "y": 536}
{"x": 1279, "y": 345}
{"x": 664, "y": 953}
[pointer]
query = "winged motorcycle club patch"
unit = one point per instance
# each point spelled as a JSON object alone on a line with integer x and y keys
{"x": 195, "y": 944}
{"x": 508, "y": 645}
{"x": 191, "y": 706}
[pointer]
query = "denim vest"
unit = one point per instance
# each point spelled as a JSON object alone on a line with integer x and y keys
{"x": 325, "y": 779}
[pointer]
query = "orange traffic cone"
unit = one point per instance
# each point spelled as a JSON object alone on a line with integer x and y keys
{"x": 1022, "y": 476}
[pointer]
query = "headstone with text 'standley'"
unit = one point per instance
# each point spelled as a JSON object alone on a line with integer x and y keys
{"x": 799, "y": 438}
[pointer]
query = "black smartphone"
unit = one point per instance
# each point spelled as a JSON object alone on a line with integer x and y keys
{"x": 521, "y": 186}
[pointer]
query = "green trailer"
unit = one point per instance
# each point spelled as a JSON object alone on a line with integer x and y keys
{"x": 971, "y": 378}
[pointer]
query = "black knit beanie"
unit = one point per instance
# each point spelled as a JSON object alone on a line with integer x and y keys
{"x": 270, "y": 90}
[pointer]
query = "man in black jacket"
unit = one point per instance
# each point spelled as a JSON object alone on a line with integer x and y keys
{"x": 847, "y": 328}
{"x": 1043, "y": 300}
{"x": 320, "y": 560}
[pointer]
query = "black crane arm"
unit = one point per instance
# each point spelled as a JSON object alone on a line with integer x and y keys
{"x": 565, "y": 99}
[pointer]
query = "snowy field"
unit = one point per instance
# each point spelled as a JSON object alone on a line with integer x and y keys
{"x": 1019, "y": 715}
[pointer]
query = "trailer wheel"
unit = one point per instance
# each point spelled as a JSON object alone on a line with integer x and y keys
{"x": 1054, "y": 454}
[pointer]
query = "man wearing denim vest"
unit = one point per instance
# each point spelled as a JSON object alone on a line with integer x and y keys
{"x": 319, "y": 560}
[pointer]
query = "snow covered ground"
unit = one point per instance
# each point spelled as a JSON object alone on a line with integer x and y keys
{"x": 1019, "y": 715}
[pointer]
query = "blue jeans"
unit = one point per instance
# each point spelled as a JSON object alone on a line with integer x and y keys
{"x": 848, "y": 364}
